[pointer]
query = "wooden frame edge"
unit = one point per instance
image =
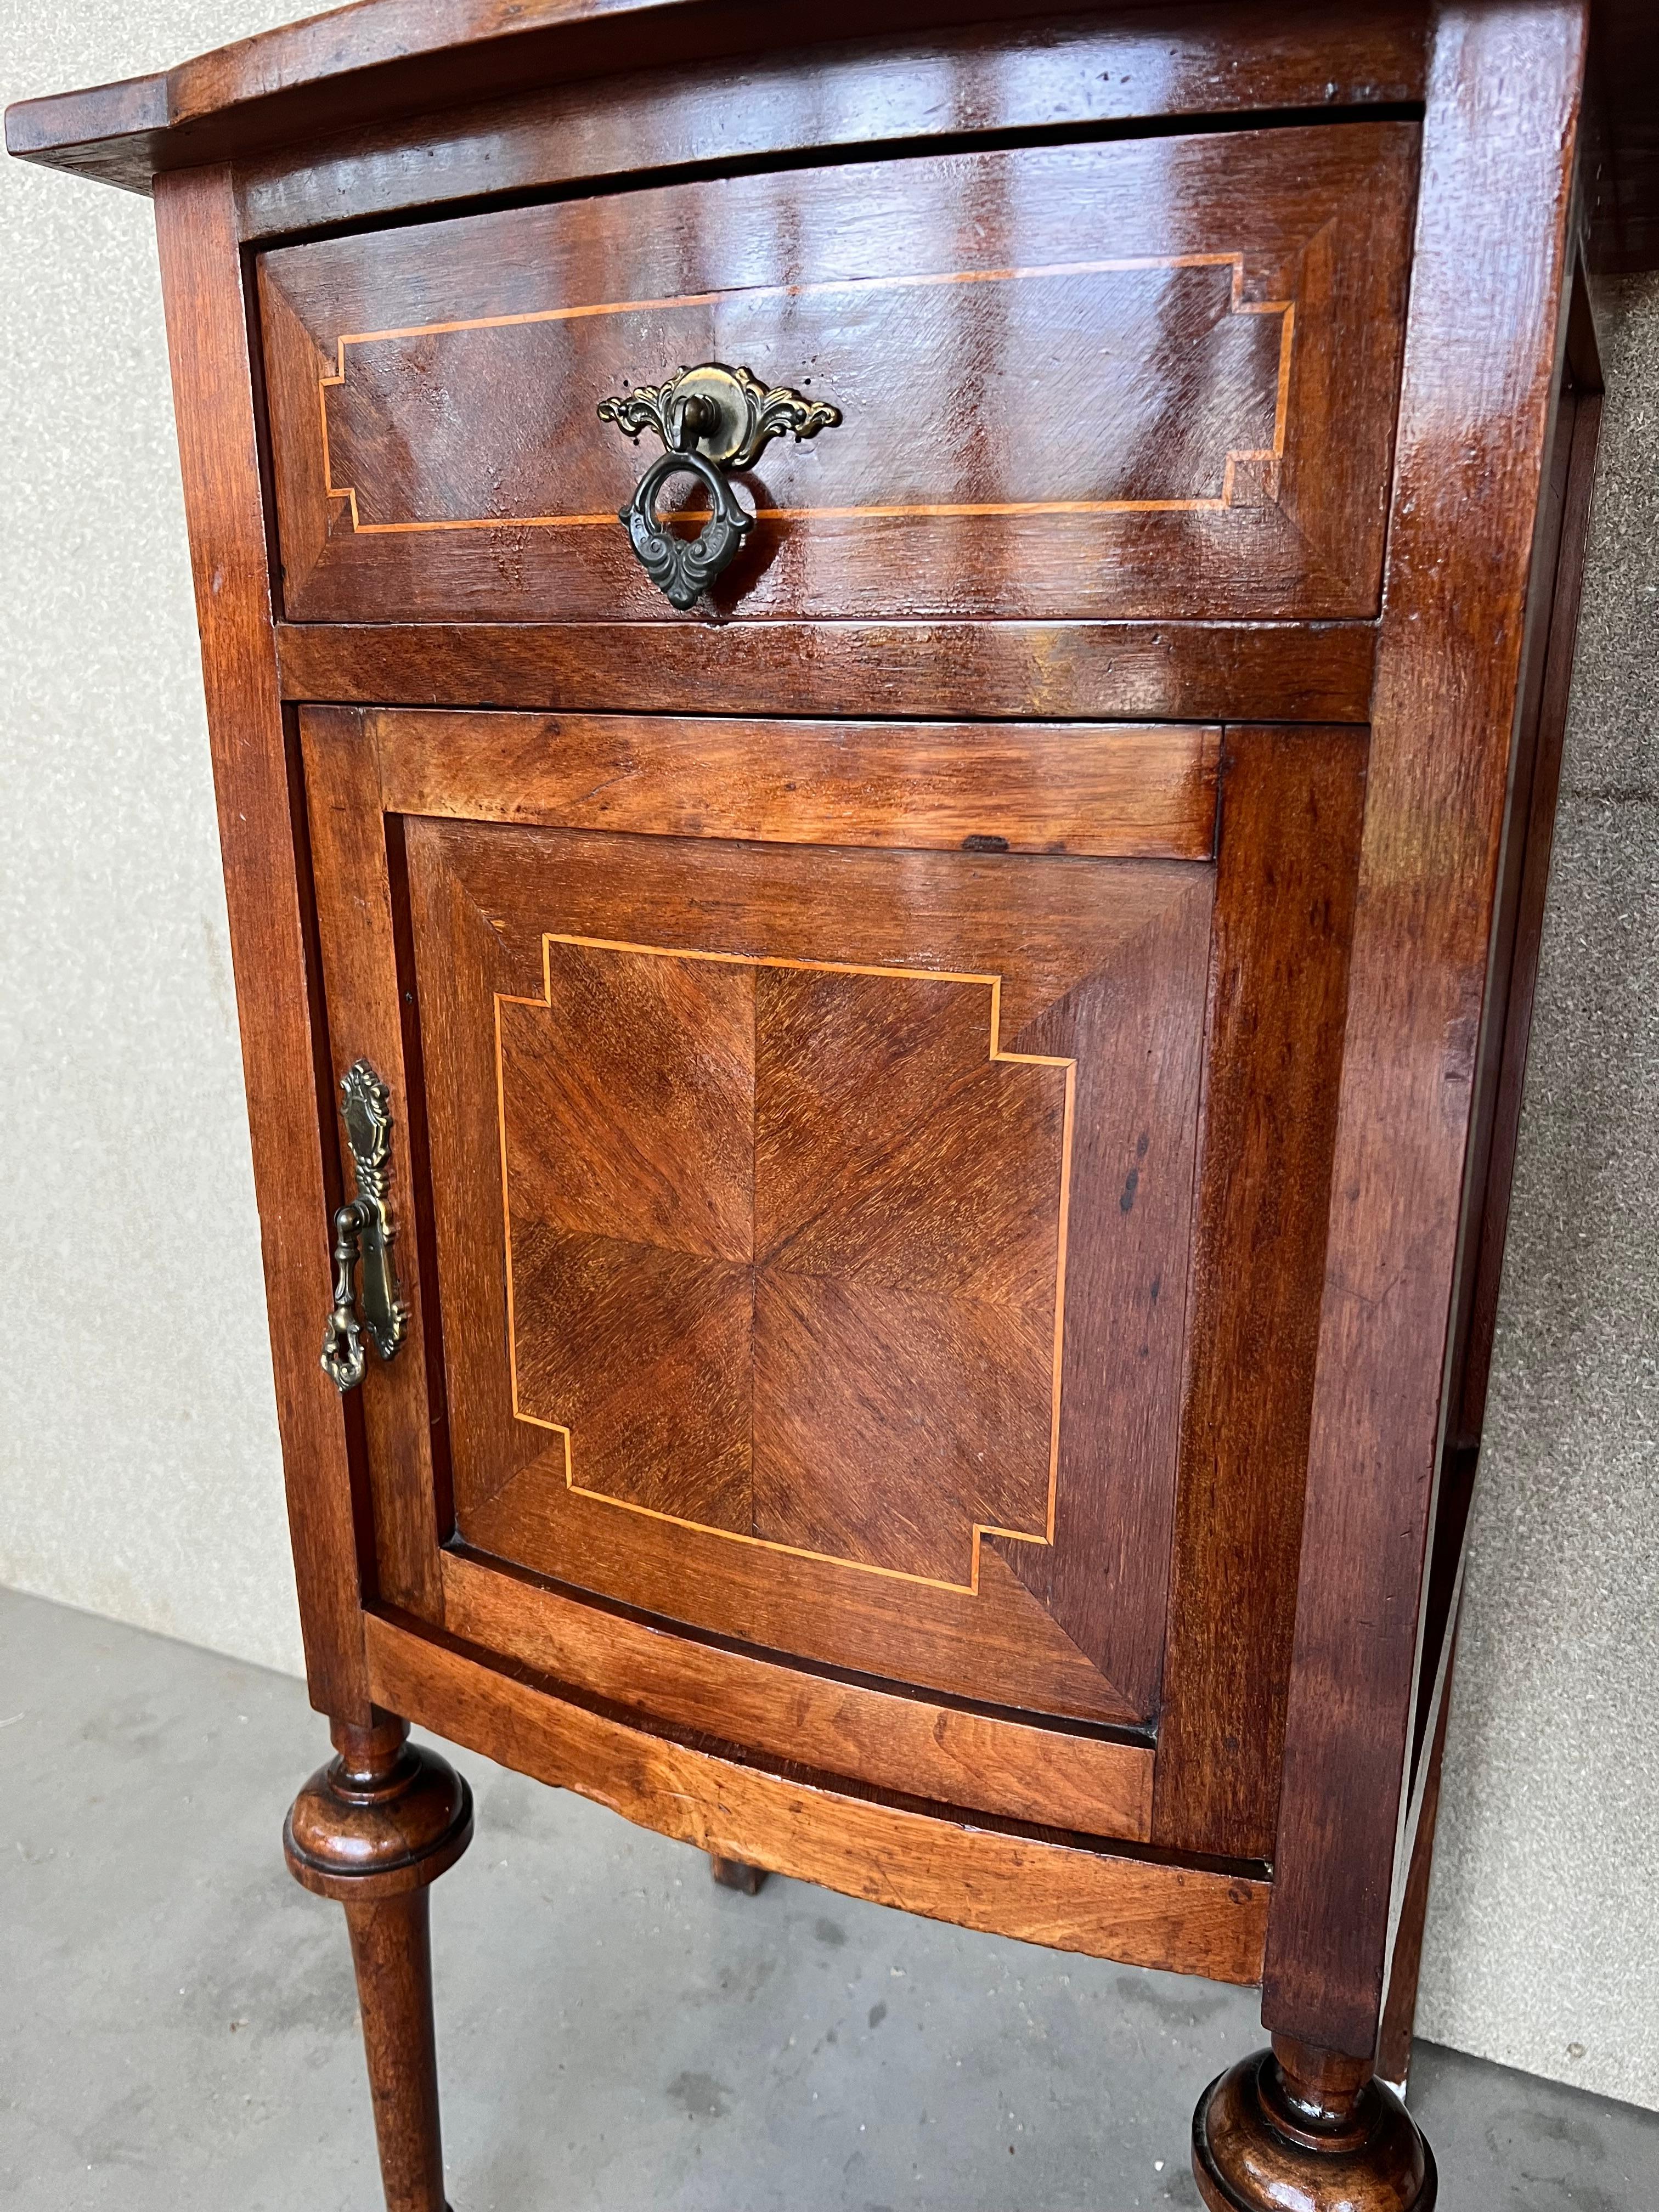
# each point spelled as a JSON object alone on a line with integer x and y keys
{"x": 263, "y": 838}
{"x": 1106, "y": 1904}
{"x": 924, "y": 671}
{"x": 1444, "y": 730}
{"x": 1081, "y": 1780}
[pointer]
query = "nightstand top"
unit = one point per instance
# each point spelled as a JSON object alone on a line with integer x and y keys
{"x": 381, "y": 59}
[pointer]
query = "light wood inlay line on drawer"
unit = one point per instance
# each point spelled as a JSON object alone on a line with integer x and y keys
{"x": 1105, "y": 791}
{"x": 1238, "y": 305}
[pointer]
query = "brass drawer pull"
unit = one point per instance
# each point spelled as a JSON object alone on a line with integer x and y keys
{"x": 681, "y": 568}
{"x": 712, "y": 420}
{"x": 363, "y": 1232}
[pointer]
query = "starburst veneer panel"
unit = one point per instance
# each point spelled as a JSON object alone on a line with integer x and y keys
{"x": 785, "y": 1244}
{"x": 811, "y": 1234}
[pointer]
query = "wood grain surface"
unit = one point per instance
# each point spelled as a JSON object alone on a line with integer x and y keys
{"x": 1277, "y": 988}
{"x": 1094, "y": 1784}
{"x": 321, "y": 121}
{"x": 1551, "y": 647}
{"x": 1105, "y": 1904}
{"x": 1097, "y": 963}
{"x": 784, "y": 1243}
{"x": 921, "y": 85}
{"x": 262, "y": 837}
{"x": 335, "y": 96}
{"x": 1483, "y": 347}
{"x": 391, "y": 1958}
{"x": 1171, "y": 672}
{"x": 401, "y": 1400}
{"x": 1552, "y": 619}
{"x": 1152, "y": 377}
{"x": 1120, "y": 791}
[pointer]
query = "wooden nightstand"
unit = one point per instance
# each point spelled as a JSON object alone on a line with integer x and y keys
{"x": 886, "y": 715}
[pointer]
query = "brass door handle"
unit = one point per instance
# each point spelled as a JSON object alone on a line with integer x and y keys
{"x": 712, "y": 420}
{"x": 363, "y": 1234}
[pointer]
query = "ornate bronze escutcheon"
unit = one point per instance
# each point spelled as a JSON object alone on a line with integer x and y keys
{"x": 712, "y": 420}
{"x": 363, "y": 1233}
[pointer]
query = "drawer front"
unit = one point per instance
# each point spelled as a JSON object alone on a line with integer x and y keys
{"x": 816, "y": 1141}
{"x": 1142, "y": 378}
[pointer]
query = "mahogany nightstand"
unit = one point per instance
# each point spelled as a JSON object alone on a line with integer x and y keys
{"x": 886, "y": 715}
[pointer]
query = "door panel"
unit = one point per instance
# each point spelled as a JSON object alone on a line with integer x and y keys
{"x": 773, "y": 1171}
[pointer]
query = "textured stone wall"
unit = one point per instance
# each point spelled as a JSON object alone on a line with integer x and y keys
{"x": 138, "y": 1463}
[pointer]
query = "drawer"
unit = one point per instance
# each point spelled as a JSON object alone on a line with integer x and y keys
{"x": 1139, "y": 378}
{"x": 810, "y": 1142}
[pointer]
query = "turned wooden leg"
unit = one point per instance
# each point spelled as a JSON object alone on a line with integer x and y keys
{"x": 373, "y": 1829}
{"x": 391, "y": 1950}
{"x": 1299, "y": 2126}
{"x": 736, "y": 1873}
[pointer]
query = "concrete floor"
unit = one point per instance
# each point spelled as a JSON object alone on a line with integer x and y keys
{"x": 177, "y": 2030}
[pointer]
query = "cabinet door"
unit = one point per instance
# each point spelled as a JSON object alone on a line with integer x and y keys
{"x": 803, "y": 1130}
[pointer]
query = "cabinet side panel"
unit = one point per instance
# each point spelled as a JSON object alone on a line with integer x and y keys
{"x": 260, "y": 838}
{"x": 1482, "y": 344}
{"x": 1572, "y": 475}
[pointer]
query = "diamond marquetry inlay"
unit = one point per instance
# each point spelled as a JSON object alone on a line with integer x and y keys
{"x": 786, "y": 1248}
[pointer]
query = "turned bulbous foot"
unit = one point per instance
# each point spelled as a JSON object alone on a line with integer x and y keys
{"x": 1293, "y": 2130}
{"x": 381, "y": 1818}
